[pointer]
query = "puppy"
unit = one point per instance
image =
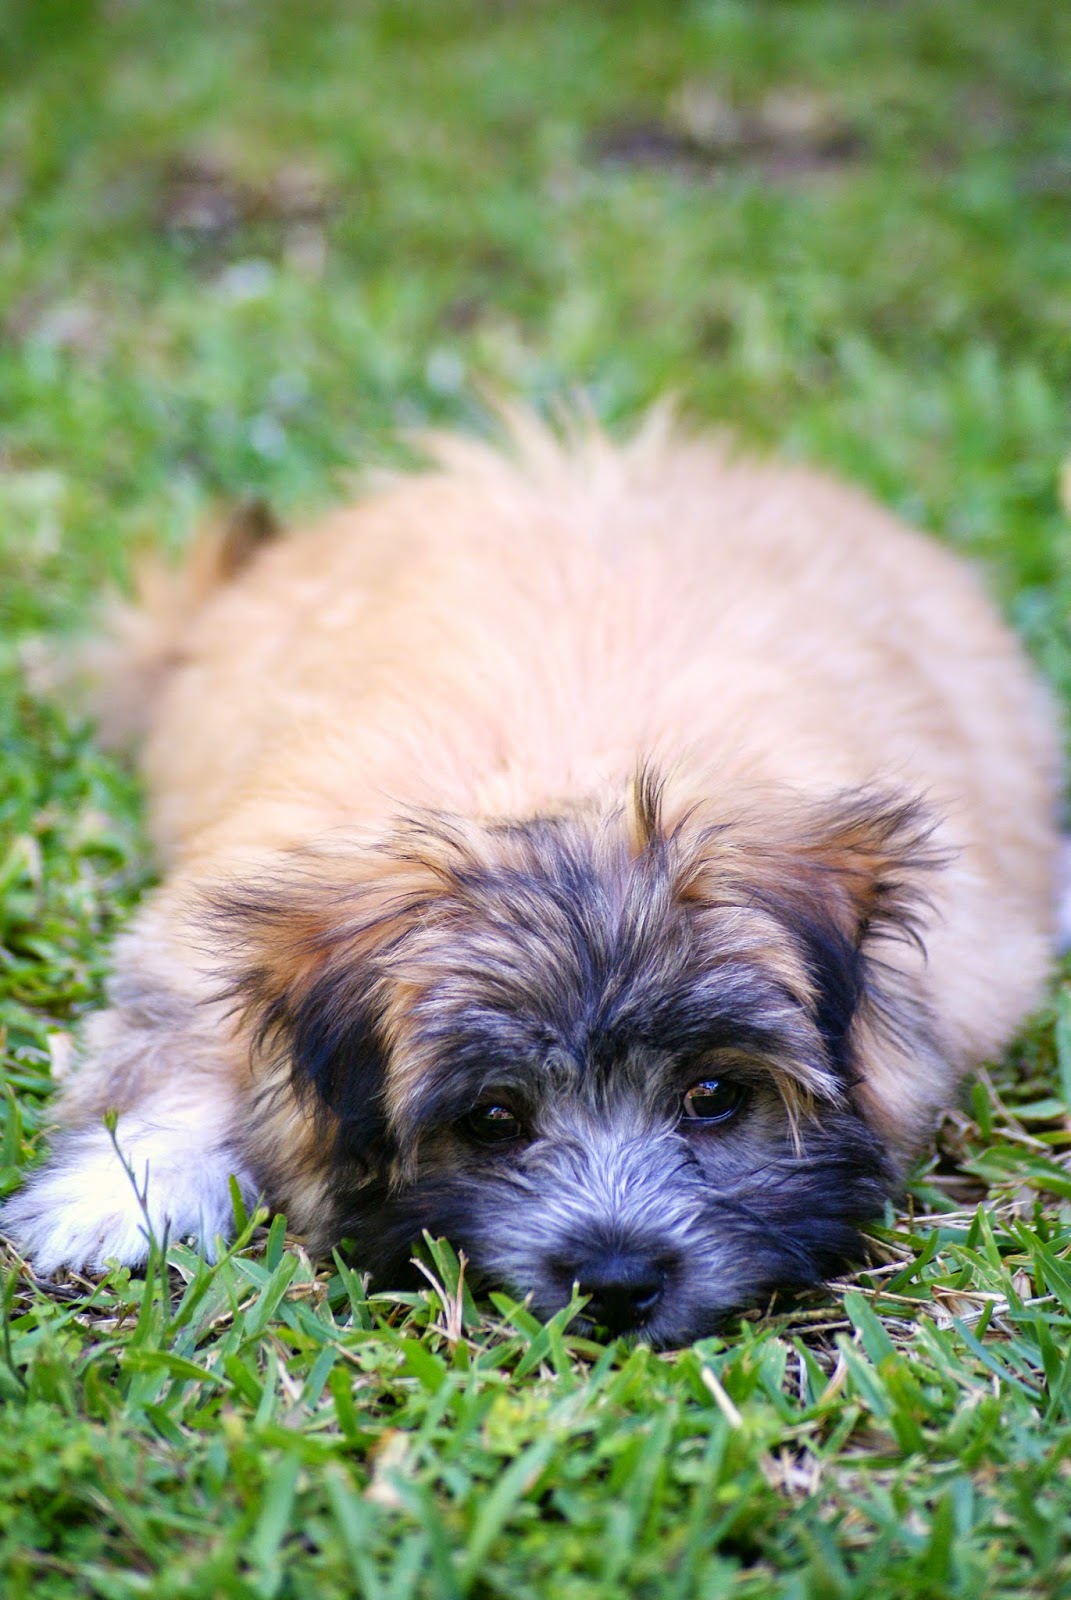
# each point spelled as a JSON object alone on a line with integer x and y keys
{"x": 611, "y": 858}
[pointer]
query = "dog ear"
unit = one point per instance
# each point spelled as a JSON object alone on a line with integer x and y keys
{"x": 306, "y": 952}
{"x": 869, "y": 864}
{"x": 851, "y": 887}
{"x": 833, "y": 886}
{"x": 867, "y": 855}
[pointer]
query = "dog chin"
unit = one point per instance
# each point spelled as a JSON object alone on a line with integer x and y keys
{"x": 665, "y": 1241}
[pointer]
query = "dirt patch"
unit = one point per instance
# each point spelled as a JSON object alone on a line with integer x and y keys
{"x": 205, "y": 203}
{"x": 789, "y": 135}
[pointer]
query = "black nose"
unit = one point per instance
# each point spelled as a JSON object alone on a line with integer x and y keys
{"x": 622, "y": 1289}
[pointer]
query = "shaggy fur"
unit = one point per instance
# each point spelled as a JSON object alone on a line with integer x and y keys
{"x": 609, "y": 857}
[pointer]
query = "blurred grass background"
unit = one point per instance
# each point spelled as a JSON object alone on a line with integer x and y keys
{"x": 241, "y": 247}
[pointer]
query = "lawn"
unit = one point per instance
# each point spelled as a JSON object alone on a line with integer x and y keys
{"x": 244, "y": 246}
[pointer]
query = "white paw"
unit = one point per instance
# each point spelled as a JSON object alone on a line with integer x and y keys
{"x": 85, "y": 1207}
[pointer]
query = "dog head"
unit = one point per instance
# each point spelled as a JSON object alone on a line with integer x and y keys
{"x": 601, "y": 1048}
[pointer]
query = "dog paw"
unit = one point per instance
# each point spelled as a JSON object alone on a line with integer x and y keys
{"x": 88, "y": 1206}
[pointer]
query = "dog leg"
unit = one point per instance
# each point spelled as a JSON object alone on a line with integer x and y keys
{"x": 164, "y": 1061}
{"x": 165, "y": 1172}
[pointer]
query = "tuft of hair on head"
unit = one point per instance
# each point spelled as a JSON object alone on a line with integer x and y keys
{"x": 644, "y": 812}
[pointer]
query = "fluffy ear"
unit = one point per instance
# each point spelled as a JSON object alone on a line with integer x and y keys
{"x": 832, "y": 885}
{"x": 867, "y": 856}
{"x": 851, "y": 887}
{"x": 312, "y": 952}
{"x": 306, "y": 953}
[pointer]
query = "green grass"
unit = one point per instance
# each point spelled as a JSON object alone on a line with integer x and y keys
{"x": 240, "y": 246}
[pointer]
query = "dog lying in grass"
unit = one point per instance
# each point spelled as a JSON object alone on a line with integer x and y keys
{"x": 609, "y": 857}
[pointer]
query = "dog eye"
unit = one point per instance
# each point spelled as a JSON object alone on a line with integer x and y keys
{"x": 493, "y": 1124}
{"x": 712, "y": 1100}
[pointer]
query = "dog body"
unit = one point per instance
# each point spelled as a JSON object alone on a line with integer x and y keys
{"x": 611, "y": 857}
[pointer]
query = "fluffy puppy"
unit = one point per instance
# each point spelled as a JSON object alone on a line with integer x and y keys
{"x": 608, "y": 857}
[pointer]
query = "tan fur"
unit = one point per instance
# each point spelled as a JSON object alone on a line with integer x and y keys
{"x": 121, "y": 674}
{"x": 510, "y": 634}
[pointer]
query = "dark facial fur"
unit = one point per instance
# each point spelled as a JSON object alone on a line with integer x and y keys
{"x": 584, "y": 976}
{"x": 667, "y": 1231}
